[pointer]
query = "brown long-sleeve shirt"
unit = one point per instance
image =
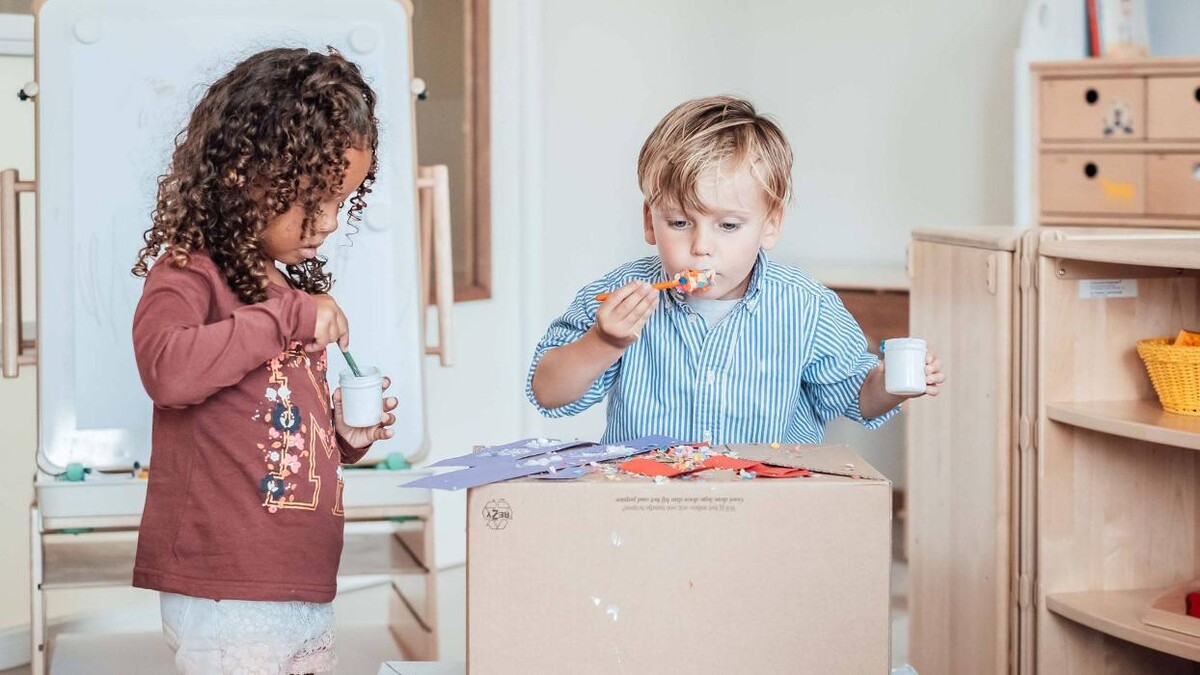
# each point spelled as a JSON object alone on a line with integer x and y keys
{"x": 245, "y": 493}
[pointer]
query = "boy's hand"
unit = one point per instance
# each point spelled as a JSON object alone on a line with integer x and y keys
{"x": 873, "y": 398}
{"x": 332, "y": 325}
{"x": 620, "y": 318}
{"x": 934, "y": 376}
{"x": 361, "y": 437}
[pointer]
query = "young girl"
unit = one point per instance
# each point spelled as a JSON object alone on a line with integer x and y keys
{"x": 242, "y": 529}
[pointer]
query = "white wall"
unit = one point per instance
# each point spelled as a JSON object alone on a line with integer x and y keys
{"x": 1173, "y": 27}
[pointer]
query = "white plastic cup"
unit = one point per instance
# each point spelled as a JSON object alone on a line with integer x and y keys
{"x": 362, "y": 397}
{"x": 904, "y": 366}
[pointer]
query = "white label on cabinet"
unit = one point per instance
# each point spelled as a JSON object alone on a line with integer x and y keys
{"x": 1090, "y": 289}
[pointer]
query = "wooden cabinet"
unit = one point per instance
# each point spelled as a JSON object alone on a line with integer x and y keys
{"x": 1051, "y": 499}
{"x": 1174, "y": 105}
{"x": 1096, "y": 183}
{"x": 960, "y": 531}
{"x": 1118, "y": 142}
{"x": 1093, "y": 108}
{"x": 1118, "y": 494}
{"x": 1173, "y": 184}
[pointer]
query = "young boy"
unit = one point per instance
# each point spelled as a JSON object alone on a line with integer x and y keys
{"x": 765, "y": 354}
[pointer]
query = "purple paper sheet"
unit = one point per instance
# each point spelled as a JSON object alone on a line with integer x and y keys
{"x": 648, "y": 443}
{"x": 569, "y": 473}
{"x": 474, "y": 477}
{"x": 529, "y": 447}
{"x": 499, "y": 466}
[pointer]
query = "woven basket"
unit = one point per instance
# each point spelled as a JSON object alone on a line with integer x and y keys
{"x": 1175, "y": 373}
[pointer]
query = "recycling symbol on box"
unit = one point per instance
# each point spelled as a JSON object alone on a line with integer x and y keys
{"x": 497, "y": 513}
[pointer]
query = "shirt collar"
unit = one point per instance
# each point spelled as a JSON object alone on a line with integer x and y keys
{"x": 756, "y": 279}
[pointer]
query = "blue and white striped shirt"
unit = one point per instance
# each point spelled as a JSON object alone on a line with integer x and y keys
{"x": 787, "y": 360}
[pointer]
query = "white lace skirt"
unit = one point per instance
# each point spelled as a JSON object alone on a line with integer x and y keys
{"x": 239, "y": 637}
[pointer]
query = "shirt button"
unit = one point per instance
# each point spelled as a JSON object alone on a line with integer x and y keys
{"x": 693, "y": 318}
{"x": 712, "y": 377}
{"x": 707, "y": 436}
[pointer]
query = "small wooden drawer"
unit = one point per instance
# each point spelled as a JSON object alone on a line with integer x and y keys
{"x": 90, "y": 559}
{"x": 382, "y": 548}
{"x": 1173, "y": 185}
{"x": 1173, "y": 111}
{"x": 1092, "y": 183}
{"x": 1093, "y": 109}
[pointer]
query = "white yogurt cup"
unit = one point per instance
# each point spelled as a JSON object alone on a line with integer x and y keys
{"x": 362, "y": 397}
{"x": 904, "y": 366}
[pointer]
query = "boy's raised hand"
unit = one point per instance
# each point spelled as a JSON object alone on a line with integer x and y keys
{"x": 620, "y": 318}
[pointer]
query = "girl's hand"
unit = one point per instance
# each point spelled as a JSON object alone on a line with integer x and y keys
{"x": 620, "y": 318}
{"x": 332, "y": 325}
{"x": 361, "y": 437}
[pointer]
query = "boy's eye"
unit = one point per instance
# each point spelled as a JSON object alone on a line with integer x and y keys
{"x": 730, "y": 227}
{"x": 677, "y": 224}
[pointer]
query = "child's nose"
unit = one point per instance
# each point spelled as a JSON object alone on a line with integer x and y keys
{"x": 701, "y": 242}
{"x": 326, "y": 224}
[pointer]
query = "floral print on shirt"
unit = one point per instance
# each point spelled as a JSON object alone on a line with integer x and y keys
{"x": 296, "y": 439}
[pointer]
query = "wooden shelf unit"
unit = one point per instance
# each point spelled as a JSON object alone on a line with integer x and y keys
{"x": 1137, "y": 420}
{"x": 1173, "y": 253}
{"x": 1046, "y": 486}
{"x": 1119, "y": 614}
{"x": 1118, "y": 494}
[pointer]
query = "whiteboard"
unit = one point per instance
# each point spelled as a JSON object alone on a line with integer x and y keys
{"x": 118, "y": 79}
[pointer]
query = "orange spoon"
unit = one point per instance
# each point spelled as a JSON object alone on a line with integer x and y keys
{"x": 688, "y": 281}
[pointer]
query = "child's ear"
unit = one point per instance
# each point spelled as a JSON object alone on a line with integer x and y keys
{"x": 772, "y": 228}
{"x": 648, "y": 223}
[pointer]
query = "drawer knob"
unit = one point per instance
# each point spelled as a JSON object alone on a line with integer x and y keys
{"x": 1091, "y": 96}
{"x": 1090, "y": 170}
{"x": 1196, "y": 172}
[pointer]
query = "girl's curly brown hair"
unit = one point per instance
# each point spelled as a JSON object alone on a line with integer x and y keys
{"x": 271, "y": 133}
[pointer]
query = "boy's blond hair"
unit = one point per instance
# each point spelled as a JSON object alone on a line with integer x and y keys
{"x": 716, "y": 131}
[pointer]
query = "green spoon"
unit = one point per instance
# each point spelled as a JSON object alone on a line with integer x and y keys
{"x": 353, "y": 366}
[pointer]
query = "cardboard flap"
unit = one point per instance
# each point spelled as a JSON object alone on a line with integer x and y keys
{"x": 838, "y": 460}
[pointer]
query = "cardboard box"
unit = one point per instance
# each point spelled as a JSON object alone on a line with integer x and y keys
{"x": 715, "y": 574}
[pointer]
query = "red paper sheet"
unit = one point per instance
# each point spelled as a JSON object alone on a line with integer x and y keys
{"x": 768, "y": 471}
{"x": 727, "y": 462}
{"x": 649, "y": 467}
